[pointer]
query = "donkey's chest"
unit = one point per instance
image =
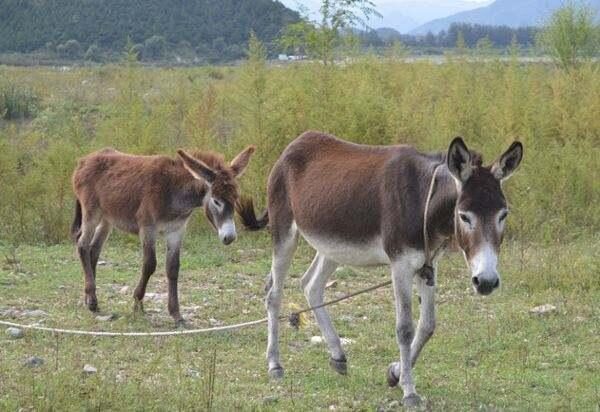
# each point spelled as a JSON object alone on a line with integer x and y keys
{"x": 367, "y": 253}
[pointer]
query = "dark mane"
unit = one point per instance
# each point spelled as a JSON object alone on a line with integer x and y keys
{"x": 215, "y": 161}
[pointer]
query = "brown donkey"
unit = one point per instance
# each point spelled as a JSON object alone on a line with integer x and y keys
{"x": 148, "y": 195}
{"x": 364, "y": 205}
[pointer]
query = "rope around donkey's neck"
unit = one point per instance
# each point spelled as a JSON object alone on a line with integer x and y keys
{"x": 293, "y": 318}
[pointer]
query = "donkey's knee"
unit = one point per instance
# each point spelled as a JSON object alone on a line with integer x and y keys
{"x": 273, "y": 299}
{"x": 405, "y": 332}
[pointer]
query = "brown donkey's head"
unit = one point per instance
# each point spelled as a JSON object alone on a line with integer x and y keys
{"x": 223, "y": 191}
{"x": 481, "y": 209}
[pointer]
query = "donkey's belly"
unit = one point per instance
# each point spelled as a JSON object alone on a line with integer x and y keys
{"x": 368, "y": 253}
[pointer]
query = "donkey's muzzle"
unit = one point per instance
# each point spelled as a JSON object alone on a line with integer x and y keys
{"x": 484, "y": 285}
{"x": 227, "y": 233}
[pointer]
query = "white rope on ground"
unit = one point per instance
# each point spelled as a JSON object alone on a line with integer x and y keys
{"x": 114, "y": 334}
{"x": 293, "y": 318}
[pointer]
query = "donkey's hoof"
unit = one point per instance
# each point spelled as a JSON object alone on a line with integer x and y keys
{"x": 276, "y": 373}
{"x": 340, "y": 366}
{"x": 392, "y": 379}
{"x": 91, "y": 303}
{"x": 138, "y": 306}
{"x": 411, "y": 401}
{"x": 180, "y": 323}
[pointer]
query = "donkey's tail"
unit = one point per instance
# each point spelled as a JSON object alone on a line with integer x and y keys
{"x": 76, "y": 225}
{"x": 245, "y": 209}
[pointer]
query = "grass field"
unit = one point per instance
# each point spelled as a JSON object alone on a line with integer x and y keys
{"x": 487, "y": 354}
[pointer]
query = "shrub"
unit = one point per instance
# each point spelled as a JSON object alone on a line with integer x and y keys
{"x": 93, "y": 54}
{"x": 71, "y": 49}
{"x": 154, "y": 47}
{"x": 17, "y": 102}
{"x": 570, "y": 35}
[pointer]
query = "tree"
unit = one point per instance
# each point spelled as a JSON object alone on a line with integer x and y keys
{"x": 93, "y": 54}
{"x": 570, "y": 35}
{"x": 155, "y": 47}
{"x": 319, "y": 39}
{"x": 71, "y": 49}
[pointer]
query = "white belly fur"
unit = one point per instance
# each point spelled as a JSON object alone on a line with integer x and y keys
{"x": 369, "y": 253}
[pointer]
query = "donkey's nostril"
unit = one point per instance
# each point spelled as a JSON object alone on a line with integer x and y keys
{"x": 497, "y": 283}
{"x": 475, "y": 280}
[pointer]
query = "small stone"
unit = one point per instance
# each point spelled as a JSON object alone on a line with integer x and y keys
{"x": 33, "y": 362}
{"x": 15, "y": 333}
{"x": 346, "y": 341}
{"x": 339, "y": 295}
{"x": 36, "y": 313}
{"x": 331, "y": 284}
{"x": 215, "y": 322}
{"x": 192, "y": 373}
{"x": 124, "y": 290}
{"x": 316, "y": 340}
{"x": 332, "y": 407}
{"x": 89, "y": 369}
{"x": 156, "y": 296}
{"x": 543, "y": 309}
{"x": 394, "y": 405}
{"x": 102, "y": 263}
{"x": 270, "y": 399}
{"x": 107, "y": 318}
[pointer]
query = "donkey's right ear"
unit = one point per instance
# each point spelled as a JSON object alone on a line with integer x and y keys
{"x": 196, "y": 167}
{"x": 459, "y": 160}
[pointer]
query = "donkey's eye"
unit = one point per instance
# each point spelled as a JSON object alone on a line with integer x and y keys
{"x": 503, "y": 216}
{"x": 217, "y": 203}
{"x": 464, "y": 218}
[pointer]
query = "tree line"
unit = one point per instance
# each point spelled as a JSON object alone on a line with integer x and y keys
{"x": 209, "y": 29}
{"x": 470, "y": 35}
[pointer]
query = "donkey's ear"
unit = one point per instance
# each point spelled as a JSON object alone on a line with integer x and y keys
{"x": 506, "y": 164}
{"x": 459, "y": 160}
{"x": 239, "y": 164}
{"x": 196, "y": 167}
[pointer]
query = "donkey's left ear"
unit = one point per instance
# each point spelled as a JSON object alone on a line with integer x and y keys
{"x": 506, "y": 164}
{"x": 239, "y": 164}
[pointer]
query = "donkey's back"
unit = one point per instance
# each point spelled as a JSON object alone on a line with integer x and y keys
{"x": 119, "y": 186}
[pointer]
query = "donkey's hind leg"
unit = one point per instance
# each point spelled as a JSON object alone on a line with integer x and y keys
{"x": 90, "y": 221}
{"x": 285, "y": 240}
{"x": 313, "y": 282}
{"x": 148, "y": 240}
{"x": 100, "y": 236}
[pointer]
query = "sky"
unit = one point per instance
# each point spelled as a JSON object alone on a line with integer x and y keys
{"x": 404, "y": 15}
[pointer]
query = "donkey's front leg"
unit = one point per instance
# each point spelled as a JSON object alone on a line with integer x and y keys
{"x": 402, "y": 275}
{"x": 426, "y": 318}
{"x": 174, "y": 240}
{"x": 148, "y": 240}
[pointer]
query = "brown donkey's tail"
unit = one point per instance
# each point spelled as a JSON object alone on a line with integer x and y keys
{"x": 76, "y": 225}
{"x": 245, "y": 209}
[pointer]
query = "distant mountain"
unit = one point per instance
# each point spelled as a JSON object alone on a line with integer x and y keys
{"x": 512, "y": 13}
{"x": 401, "y": 15}
{"x": 206, "y": 27}
{"x": 394, "y": 17}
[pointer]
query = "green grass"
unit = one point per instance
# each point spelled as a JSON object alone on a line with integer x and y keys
{"x": 487, "y": 353}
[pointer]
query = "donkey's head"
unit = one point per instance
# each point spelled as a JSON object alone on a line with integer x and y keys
{"x": 481, "y": 209}
{"x": 223, "y": 190}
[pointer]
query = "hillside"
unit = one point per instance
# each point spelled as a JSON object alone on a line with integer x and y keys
{"x": 201, "y": 26}
{"x": 512, "y": 13}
